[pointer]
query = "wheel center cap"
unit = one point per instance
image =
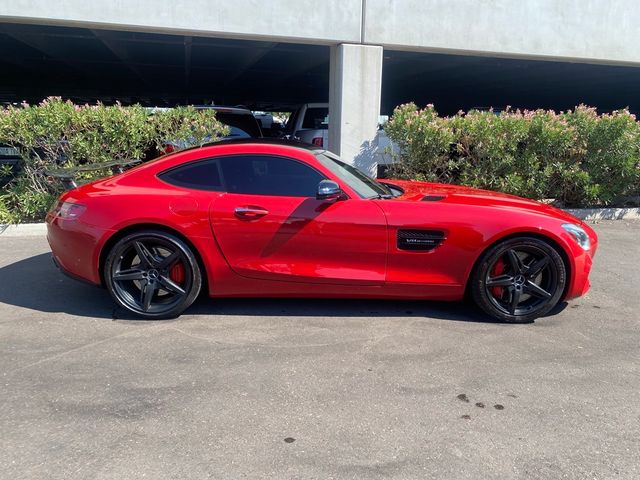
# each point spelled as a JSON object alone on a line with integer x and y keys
{"x": 519, "y": 280}
{"x": 153, "y": 274}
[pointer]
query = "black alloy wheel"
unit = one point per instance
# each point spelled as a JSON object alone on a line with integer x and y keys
{"x": 519, "y": 280}
{"x": 153, "y": 274}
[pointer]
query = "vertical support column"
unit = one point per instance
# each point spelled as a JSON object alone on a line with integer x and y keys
{"x": 355, "y": 87}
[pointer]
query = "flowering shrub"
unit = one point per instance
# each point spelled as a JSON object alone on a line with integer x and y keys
{"x": 57, "y": 134}
{"x": 578, "y": 158}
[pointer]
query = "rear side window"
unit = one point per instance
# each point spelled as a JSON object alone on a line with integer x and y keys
{"x": 241, "y": 125}
{"x": 202, "y": 175}
{"x": 316, "y": 118}
{"x": 268, "y": 175}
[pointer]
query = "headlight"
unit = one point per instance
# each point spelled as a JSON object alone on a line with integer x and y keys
{"x": 579, "y": 235}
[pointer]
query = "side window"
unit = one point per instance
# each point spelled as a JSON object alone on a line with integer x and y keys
{"x": 200, "y": 175}
{"x": 267, "y": 175}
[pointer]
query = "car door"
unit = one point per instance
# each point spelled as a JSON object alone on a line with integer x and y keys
{"x": 269, "y": 225}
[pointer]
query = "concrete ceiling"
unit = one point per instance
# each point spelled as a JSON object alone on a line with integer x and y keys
{"x": 155, "y": 69}
{"x": 454, "y": 82}
{"x": 159, "y": 69}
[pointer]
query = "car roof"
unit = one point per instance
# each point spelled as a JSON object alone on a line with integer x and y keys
{"x": 318, "y": 105}
{"x": 219, "y": 108}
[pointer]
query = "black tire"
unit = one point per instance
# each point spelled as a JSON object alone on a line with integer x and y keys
{"x": 153, "y": 274}
{"x": 518, "y": 280}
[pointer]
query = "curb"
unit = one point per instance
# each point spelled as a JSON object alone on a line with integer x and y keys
{"x": 24, "y": 230}
{"x": 596, "y": 214}
{"x": 588, "y": 214}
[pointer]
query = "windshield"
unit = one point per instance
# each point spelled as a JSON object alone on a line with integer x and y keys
{"x": 364, "y": 186}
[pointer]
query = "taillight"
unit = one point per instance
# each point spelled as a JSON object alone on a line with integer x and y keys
{"x": 317, "y": 141}
{"x": 69, "y": 211}
{"x": 168, "y": 148}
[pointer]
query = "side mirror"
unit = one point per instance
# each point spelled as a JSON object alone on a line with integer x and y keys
{"x": 328, "y": 190}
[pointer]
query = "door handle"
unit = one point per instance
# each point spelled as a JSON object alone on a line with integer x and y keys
{"x": 250, "y": 212}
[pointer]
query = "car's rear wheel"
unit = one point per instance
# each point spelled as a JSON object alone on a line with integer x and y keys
{"x": 153, "y": 274}
{"x": 519, "y": 280}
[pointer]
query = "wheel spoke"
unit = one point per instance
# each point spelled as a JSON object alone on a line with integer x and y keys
{"x": 146, "y": 257}
{"x": 500, "y": 281}
{"x": 168, "y": 261}
{"x": 536, "y": 290}
{"x": 534, "y": 269}
{"x": 171, "y": 286}
{"x": 146, "y": 294}
{"x": 515, "y": 300}
{"x": 130, "y": 274}
{"x": 514, "y": 261}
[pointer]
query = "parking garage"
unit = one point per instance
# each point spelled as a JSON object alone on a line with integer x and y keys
{"x": 153, "y": 69}
{"x": 360, "y": 57}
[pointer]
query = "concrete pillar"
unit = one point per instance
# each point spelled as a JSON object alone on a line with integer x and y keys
{"x": 355, "y": 87}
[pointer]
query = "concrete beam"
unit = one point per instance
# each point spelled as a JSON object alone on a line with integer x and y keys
{"x": 355, "y": 88}
{"x": 306, "y": 21}
{"x": 589, "y": 31}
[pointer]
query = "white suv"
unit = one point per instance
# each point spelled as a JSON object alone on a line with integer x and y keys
{"x": 310, "y": 123}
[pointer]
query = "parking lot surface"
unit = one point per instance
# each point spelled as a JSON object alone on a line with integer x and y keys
{"x": 316, "y": 389}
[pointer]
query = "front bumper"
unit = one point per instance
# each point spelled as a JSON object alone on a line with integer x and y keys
{"x": 582, "y": 264}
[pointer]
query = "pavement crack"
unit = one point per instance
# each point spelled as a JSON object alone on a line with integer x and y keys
{"x": 267, "y": 345}
{"x": 82, "y": 347}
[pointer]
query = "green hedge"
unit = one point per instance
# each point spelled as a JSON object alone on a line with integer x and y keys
{"x": 578, "y": 158}
{"x": 57, "y": 134}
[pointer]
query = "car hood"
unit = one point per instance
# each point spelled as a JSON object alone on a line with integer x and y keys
{"x": 455, "y": 194}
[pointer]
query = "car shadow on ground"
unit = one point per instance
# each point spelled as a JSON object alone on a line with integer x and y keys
{"x": 35, "y": 283}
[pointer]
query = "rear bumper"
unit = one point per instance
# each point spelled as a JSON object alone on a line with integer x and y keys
{"x": 69, "y": 274}
{"x": 74, "y": 247}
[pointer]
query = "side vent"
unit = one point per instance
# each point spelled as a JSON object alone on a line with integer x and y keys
{"x": 419, "y": 240}
{"x": 432, "y": 198}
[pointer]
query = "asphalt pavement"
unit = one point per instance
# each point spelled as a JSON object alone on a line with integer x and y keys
{"x": 317, "y": 389}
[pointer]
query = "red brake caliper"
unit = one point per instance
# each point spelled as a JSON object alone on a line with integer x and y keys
{"x": 177, "y": 273}
{"x": 498, "y": 269}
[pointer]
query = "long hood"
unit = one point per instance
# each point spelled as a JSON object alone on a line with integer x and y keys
{"x": 455, "y": 194}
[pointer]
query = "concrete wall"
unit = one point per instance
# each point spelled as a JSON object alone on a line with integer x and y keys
{"x": 584, "y": 30}
{"x": 580, "y": 30}
{"x": 317, "y": 21}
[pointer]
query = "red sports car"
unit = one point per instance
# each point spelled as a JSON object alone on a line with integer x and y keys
{"x": 257, "y": 218}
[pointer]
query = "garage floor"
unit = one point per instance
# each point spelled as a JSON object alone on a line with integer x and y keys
{"x": 317, "y": 389}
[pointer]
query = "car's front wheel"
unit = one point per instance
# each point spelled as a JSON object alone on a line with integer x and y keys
{"x": 519, "y": 280}
{"x": 153, "y": 274}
